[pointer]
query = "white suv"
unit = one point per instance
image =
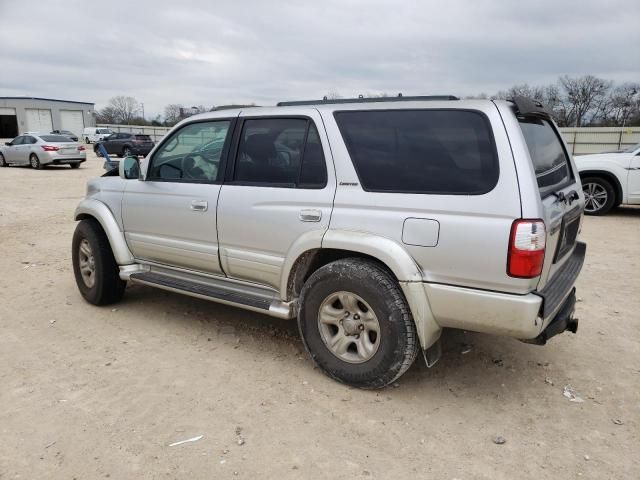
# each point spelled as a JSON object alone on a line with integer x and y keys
{"x": 375, "y": 223}
{"x": 610, "y": 179}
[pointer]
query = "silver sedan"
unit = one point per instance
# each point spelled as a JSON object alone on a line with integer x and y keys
{"x": 39, "y": 150}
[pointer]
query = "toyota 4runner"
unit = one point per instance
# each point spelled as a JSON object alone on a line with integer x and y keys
{"x": 375, "y": 222}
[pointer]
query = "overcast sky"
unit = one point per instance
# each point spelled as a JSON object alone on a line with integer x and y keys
{"x": 220, "y": 52}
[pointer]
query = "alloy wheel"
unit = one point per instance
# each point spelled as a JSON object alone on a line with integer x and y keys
{"x": 87, "y": 263}
{"x": 349, "y": 327}
{"x": 595, "y": 197}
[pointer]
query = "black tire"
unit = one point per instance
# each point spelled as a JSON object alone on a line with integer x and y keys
{"x": 3, "y": 162}
{"x": 75, "y": 165}
{"x": 86, "y": 140}
{"x": 398, "y": 341}
{"x": 598, "y": 206}
{"x": 107, "y": 287}
{"x": 97, "y": 152}
{"x": 34, "y": 161}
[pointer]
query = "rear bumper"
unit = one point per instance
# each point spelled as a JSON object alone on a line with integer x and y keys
{"x": 561, "y": 322}
{"x": 61, "y": 159}
{"x": 536, "y": 316}
{"x": 142, "y": 151}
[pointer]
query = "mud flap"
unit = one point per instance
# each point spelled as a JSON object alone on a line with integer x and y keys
{"x": 432, "y": 354}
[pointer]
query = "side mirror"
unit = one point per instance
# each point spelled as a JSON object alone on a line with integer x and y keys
{"x": 129, "y": 168}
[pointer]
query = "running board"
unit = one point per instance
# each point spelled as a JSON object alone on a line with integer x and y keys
{"x": 272, "y": 307}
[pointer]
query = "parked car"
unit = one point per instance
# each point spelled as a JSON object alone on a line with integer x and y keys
{"x": 375, "y": 222}
{"x": 66, "y": 133}
{"x": 610, "y": 179}
{"x": 41, "y": 150}
{"x": 95, "y": 134}
{"x": 124, "y": 144}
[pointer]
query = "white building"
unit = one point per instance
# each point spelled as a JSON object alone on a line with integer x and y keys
{"x": 28, "y": 114}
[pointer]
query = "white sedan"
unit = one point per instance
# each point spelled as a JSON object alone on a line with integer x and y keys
{"x": 610, "y": 179}
{"x": 39, "y": 150}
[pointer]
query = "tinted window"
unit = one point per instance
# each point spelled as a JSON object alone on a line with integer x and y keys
{"x": 421, "y": 151}
{"x": 313, "y": 173}
{"x": 272, "y": 151}
{"x": 192, "y": 153}
{"x": 17, "y": 141}
{"x": 55, "y": 138}
{"x": 547, "y": 154}
{"x": 145, "y": 138}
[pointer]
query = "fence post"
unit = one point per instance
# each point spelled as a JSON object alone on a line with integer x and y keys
{"x": 620, "y": 140}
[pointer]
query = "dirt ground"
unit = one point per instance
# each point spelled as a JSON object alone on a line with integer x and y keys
{"x": 88, "y": 392}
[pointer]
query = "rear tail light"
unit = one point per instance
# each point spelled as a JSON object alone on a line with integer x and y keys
{"x": 81, "y": 148}
{"x": 526, "y": 248}
{"x": 50, "y": 148}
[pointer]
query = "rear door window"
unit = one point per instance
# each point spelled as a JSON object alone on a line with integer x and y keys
{"x": 280, "y": 152}
{"x": 421, "y": 151}
{"x": 547, "y": 153}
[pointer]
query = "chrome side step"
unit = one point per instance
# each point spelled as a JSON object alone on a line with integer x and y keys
{"x": 217, "y": 292}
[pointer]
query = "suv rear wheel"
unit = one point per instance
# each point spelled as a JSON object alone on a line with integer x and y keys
{"x": 599, "y": 196}
{"x": 356, "y": 325}
{"x": 95, "y": 268}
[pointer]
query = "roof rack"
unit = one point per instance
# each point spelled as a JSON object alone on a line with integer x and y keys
{"x": 362, "y": 99}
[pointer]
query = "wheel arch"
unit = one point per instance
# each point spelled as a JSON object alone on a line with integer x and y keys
{"x": 382, "y": 251}
{"x": 611, "y": 178}
{"x": 98, "y": 211}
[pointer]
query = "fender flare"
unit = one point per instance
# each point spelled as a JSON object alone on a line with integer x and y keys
{"x": 98, "y": 210}
{"x": 387, "y": 251}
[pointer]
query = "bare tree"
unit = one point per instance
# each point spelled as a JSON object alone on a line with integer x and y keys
{"x": 121, "y": 109}
{"x": 584, "y": 97}
{"x": 622, "y": 105}
{"x": 106, "y": 115}
{"x": 172, "y": 113}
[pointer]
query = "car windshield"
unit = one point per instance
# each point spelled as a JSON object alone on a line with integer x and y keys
{"x": 56, "y": 138}
{"x": 632, "y": 149}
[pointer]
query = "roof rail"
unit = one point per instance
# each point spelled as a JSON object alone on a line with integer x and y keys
{"x": 362, "y": 99}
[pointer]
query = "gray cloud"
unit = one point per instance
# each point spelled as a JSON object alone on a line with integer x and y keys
{"x": 202, "y": 52}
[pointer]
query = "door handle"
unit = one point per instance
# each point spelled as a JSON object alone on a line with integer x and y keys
{"x": 199, "y": 205}
{"x": 310, "y": 215}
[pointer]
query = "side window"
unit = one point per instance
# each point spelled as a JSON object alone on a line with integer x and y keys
{"x": 29, "y": 140}
{"x": 313, "y": 173}
{"x": 280, "y": 152}
{"x": 17, "y": 141}
{"x": 191, "y": 154}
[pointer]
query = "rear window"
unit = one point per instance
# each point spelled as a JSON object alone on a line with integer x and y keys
{"x": 549, "y": 158}
{"x": 146, "y": 138}
{"x": 56, "y": 138}
{"x": 103, "y": 130}
{"x": 421, "y": 151}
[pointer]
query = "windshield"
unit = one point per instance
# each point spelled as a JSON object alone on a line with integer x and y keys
{"x": 632, "y": 149}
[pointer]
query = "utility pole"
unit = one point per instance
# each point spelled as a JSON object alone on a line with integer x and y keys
{"x": 142, "y": 105}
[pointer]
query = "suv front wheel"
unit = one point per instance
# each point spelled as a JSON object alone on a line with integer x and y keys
{"x": 95, "y": 268}
{"x": 356, "y": 325}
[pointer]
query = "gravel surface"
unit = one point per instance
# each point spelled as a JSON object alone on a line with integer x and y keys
{"x": 166, "y": 386}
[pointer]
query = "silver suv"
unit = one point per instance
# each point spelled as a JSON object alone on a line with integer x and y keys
{"x": 376, "y": 223}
